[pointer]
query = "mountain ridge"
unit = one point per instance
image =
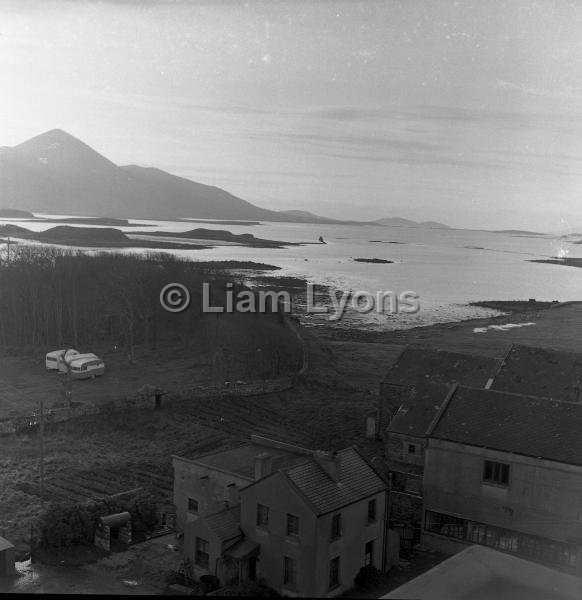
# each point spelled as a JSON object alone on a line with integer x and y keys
{"x": 57, "y": 173}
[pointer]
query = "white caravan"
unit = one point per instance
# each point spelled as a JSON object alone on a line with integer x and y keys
{"x": 54, "y": 360}
{"x": 86, "y": 367}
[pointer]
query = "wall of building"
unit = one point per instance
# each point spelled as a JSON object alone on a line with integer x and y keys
{"x": 542, "y": 498}
{"x": 195, "y": 529}
{"x": 208, "y": 486}
{"x": 277, "y": 494}
{"x": 397, "y": 451}
{"x": 350, "y": 547}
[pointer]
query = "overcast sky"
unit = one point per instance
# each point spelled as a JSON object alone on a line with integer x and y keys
{"x": 466, "y": 112}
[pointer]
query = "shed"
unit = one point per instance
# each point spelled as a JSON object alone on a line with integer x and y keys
{"x": 116, "y": 527}
{"x": 7, "y": 567}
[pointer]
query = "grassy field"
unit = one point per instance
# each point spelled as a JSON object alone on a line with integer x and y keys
{"x": 557, "y": 327}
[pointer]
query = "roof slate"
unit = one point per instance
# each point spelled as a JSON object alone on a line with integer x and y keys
{"x": 513, "y": 423}
{"x": 419, "y": 409}
{"x": 225, "y": 524}
{"x": 541, "y": 372}
{"x": 417, "y": 366}
{"x": 357, "y": 480}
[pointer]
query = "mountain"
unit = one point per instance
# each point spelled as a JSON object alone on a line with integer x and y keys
{"x": 398, "y": 222}
{"x": 57, "y": 173}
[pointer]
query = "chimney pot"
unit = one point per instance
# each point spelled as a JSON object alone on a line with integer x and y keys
{"x": 329, "y": 462}
{"x": 263, "y": 465}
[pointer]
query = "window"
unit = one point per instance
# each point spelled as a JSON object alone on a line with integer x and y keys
{"x": 411, "y": 448}
{"x": 193, "y": 505}
{"x": 371, "y": 510}
{"x": 496, "y": 472}
{"x": 262, "y": 515}
{"x": 336, "y": 526}
{"x": 446, "y": 525}
{"x": 289, "y": 572}
{"x": 334, "y": 572}
{"x": 292, "y": 525}
{"x": 369, "y": 553}
{"x": 529, "y": 546}
{"x": 202, "y": 558}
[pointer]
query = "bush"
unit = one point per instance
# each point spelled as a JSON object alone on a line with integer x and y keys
{"x": 64, "y": 525}
{"x": 368, "y": 577}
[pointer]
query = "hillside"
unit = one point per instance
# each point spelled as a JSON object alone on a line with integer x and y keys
{"x": 399, "y": 222}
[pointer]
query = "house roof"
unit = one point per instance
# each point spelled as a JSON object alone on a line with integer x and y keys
{"x": 416, "y": 366}
{"x": 480, "y": 572}
{"x": 225, "y": 524}
{"x": 515, "y": 423}
{"x": 242, "y": 549}
{"x": 356, "y": 480}
{"x": 419, "y": 409}
{"x": 541, "y": 372}
{"x": 5, "y": 544}
{"x": 241, "y": 460}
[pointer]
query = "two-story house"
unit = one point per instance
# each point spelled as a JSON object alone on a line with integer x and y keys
{"x": 305, "y": 521}
{"x": 504, "y": 470}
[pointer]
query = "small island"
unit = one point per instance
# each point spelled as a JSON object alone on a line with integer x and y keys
{"x": 109, "y": 237}
{"x": 566, "y": 262}
{"x": 380, "y": 261}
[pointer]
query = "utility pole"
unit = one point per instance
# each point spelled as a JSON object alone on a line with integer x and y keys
{"x": 42, "y": 451}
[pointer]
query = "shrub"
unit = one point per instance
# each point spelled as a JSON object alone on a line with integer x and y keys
{"x": 368, "y": 577}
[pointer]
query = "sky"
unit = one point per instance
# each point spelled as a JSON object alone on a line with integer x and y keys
{"x": 464, "y": 112}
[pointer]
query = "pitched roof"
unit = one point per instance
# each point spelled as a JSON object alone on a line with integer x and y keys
{"x": 416, "y": 366}
{"x": 514, "y": 423}
{"x": 241, "y": 460}
{"x": 541, "y": 372}
{"x": 419, "y": 409}
{"x": 356, "y": 480}
{"x": 225, "y": 524}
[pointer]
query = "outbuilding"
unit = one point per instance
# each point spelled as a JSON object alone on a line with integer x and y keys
{"x": 7, "y": 553}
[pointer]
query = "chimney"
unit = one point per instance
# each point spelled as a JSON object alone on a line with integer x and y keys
{"x": 231, "y": 496}
{"x": 263, "y": 465}
{"x": 329, "y": 463}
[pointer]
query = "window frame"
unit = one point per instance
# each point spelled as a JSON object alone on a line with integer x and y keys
{"x": 193, "y": 510}
{"x": 372, "y": 516}
{"x": 262, "y": 520}
{"x": 336, "y": 527}
{"x": 292, "y": 519}
{"x": 499, "y": 473}
{"x": 370, "y": 554}
{"x": 202, "y": 549}
{"x": 334, "y": 573}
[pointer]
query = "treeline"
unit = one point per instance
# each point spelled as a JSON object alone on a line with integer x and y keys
{"x": 52, "y": 298}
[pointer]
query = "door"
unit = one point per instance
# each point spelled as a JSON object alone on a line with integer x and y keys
{"x": 253, "y": 568}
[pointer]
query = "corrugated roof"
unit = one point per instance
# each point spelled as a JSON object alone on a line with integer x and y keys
{"x": 541, "y": 372}
{"x": 356, "y": 480}
{"x": 225, "y": 524}
{"x": 417, "y": 366}
{"x": 419, "y": 409}
{"x": 514, "y": 423}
